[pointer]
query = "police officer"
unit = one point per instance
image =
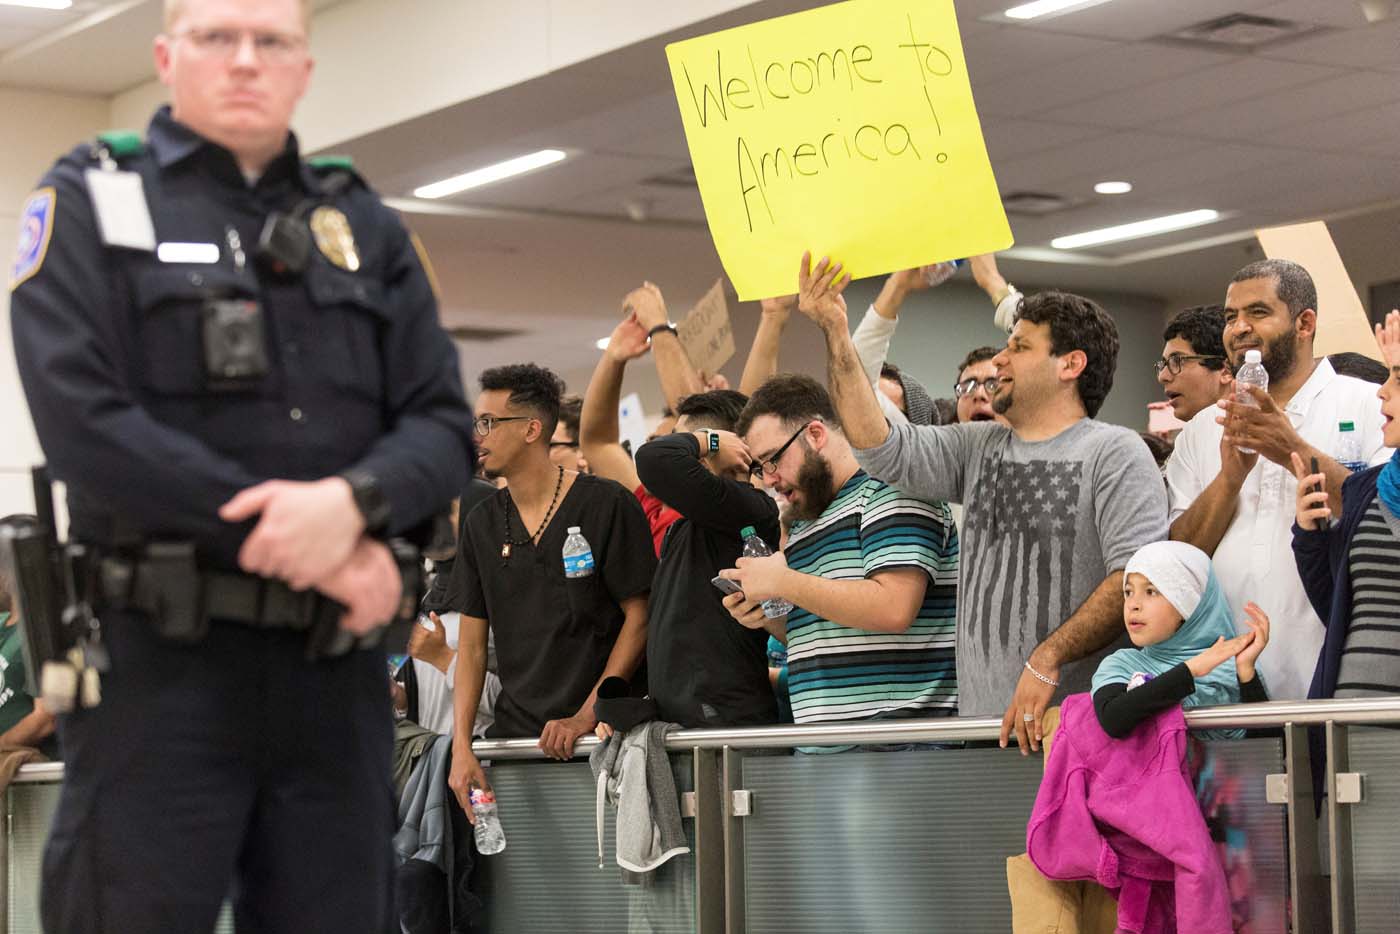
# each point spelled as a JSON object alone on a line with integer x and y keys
{"x": 231, "y": 351}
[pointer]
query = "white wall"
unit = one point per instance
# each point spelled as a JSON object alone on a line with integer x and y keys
{"x": 36, "y": 128}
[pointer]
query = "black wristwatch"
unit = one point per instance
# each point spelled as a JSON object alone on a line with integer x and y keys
{"x": 668, "y": 326}
{"x": 369, "y": 499}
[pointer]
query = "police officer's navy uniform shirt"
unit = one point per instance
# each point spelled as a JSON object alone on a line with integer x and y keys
{"x": 553, "y": 634}
{"x": 109, "y": 343}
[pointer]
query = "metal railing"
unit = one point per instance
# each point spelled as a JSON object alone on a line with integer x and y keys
{"x": 1322, "y": 899}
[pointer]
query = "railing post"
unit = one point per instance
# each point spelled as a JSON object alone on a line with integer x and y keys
{"x": 1339, "y": 813}
{"x": 709, "y": 842}
{"x": 1309, "y": 890}
{"x": 734, "y": 918}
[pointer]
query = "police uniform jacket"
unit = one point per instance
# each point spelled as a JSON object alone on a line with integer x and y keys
{"x": 109, "y": 342}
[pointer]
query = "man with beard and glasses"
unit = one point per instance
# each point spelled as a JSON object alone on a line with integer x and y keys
{"x": 1055, "y": 502}
{"x": 870, "y": 571}
{"x": 1239, "y": 506}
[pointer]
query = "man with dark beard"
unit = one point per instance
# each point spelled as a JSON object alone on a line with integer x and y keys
{"x": 1239, "y": 507}
{"x": 871, "y": 573}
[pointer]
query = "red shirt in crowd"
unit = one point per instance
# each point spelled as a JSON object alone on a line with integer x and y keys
{"x": 659, "y": 516}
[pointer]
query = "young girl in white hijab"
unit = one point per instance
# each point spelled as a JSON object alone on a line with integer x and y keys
{"x": 1186, "y": 651}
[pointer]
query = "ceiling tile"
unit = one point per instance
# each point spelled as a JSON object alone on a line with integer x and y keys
{"x": 1110, "y": 156}
{"x": 1372, "y": 46}
{"x": 1130, "y": 20}
{"x": 1011, "y": 51}
{"x": 1121, "y": 67}
{"x": 1323, "y": 12}
{"x": 1008, "y": 138}
{"x": 1373, "y": 129}
{"x": 1147, "y": 107}
{"x": 1309, "y": 104}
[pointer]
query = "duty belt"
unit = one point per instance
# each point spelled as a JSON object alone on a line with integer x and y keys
{"x": 180, "y": 601}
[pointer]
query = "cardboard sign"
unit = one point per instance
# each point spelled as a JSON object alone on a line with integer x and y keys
{"x": 705, "y": 332}
{"x": 1342, "y": 324}
{"x": 849, "y": 131}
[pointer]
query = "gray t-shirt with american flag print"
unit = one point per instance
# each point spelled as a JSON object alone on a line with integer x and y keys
{"x": 1044, "y": 523}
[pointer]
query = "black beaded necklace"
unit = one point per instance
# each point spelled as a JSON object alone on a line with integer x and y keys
{"x": 510, "y": 543}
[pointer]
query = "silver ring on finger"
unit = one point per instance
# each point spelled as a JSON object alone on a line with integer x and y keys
{"x": 1028, "y": 717}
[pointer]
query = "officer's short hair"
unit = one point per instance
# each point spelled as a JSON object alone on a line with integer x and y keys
{"x": 173, "y": 8}
{"x": 531, "y": 387}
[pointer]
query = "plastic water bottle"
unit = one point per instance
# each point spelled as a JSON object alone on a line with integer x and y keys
{"x": 578, "y": 554}
{"x": 755, "y": 547}
{"x": 1251, "y": 374}
{"x": 1349, "y": 447}
{"x": 490, "y": 838}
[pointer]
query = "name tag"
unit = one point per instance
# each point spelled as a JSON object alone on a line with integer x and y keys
{"x": 188, "y": 253}
{"x": 123, "y": 216}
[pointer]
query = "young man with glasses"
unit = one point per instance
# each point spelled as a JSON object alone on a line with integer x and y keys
{"x": 1055, "y": 502}
{"x": 870, "y": 571}
{"x": 976, "y": 386}
{"x": 557, "y": 637}
{"x": 270, "y": 412}
{"x": 1194, "y": 371}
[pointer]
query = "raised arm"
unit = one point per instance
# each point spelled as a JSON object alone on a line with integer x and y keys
{"x": 673, "y": 367}
{"x": 819, "y": 298}
{"x": 599, "y": 435}
{"x": 763, "y": 356}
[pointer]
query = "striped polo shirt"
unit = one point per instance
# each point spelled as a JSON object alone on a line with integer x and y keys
{"x": 839, "y": 673}
{"x": 1370, "y": 664}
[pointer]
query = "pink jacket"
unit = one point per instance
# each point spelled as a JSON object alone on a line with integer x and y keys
{"x": 1122, "y": 813}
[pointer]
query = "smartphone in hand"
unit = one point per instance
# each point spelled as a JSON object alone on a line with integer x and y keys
{"x": 726, "y": 586}
{"x": 1317, "y": 488}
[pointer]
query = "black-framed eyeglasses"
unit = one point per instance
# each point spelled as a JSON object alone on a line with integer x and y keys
{"x": 989, "y": 386}
{"x": 770, "y": 466}
{"x": 1176, "y": 361}
{"x": 485, "y": 424}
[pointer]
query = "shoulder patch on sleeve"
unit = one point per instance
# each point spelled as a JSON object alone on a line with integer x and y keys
{"x": 35, "y": 228}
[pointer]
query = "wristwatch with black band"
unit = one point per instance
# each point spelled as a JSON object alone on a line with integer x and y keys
{"x": 668, "y": 326}
{"x": 369, "y": 499}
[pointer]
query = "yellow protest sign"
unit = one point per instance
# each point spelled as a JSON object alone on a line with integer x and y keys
{"x": 847, "y": 130}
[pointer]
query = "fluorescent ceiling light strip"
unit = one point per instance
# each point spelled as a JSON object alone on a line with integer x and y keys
{"x": 1047, "y": 7}
{"x": 490, "y": 174}
{"x": 39, "y": 4}
{"x": 1147, "y": 228}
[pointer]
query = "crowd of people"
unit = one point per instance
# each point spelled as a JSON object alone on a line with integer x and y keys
{"x": 987, "y": 555}
{"x": 895, "y": 608}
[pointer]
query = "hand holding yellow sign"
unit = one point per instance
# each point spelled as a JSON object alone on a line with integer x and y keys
{"x": 849, "y": 130}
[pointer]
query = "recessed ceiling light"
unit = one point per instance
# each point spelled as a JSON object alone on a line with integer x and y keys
{"x": 1113, "y": 188}
{"x": 490, "y": 174}
{"x": 602, "y": 343}
{"x": 1047, "y": 7}
{"x": 39, "y": 4}
{"x": 1147, "y": 228}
